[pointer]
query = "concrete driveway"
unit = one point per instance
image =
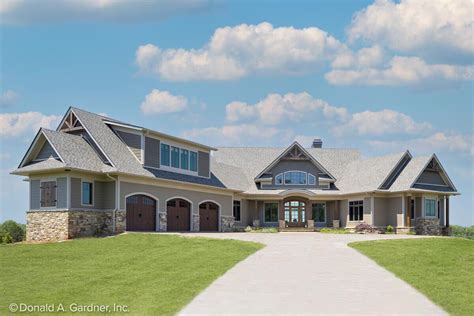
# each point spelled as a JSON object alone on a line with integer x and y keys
{"x": 308, "y": 273}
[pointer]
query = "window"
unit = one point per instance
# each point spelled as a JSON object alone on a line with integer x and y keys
{"x": 412, "y": 209}
{"x": 319, "y": 212}
{"x": 279, "y": 179}
{"x": 48, "y": 194}
{"x": 311, "y": 179}
{"x": 430, "y": 208}
{"x": 271, "y": 212}
{"x": 295, "y": 177}
{"x": 87, "y": 193}
{"x": 237, "y": 211}
{"x": 174, "y": 157}
{"x": 193, "y": 161}
{"x": 356, "y": 210}
{"x": 184, "y": 159}
{"x": 165, "y": 155}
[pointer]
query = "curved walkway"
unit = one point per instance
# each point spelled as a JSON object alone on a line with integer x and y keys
{"x": 308, "y": 273}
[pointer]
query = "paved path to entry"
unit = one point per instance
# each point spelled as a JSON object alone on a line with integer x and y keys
{"x": 308, "y": 273}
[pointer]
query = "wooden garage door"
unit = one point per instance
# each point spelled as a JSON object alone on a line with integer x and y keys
{"x": 141, "y": 213}
{"x": 179, "y": 212}
{"x": 208, "y": 217}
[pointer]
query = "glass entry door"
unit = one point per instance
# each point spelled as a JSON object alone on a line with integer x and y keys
{"x": 295, "y": 213}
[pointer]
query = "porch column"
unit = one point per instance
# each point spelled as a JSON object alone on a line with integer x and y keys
{"x": 404, "y": 210}
{"x": 372, "y": 209}
{"x": 336, "y": 211}
{"x": 447, "y": 211}
{"x": 441, "y": 209}
{"x": 309, "y": 213}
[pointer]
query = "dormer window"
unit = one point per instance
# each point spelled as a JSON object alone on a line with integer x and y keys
{"x": 295, "y": 178}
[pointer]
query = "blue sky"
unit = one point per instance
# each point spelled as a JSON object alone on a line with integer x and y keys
{"x": 382, "y": 77}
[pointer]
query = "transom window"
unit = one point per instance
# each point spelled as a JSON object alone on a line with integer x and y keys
{"x": 271, "y": 212}
{"x": 430, "y": 207}
{"x": 87, "y": 192}
{"x": 295, "y": 178}
{"x": 356, "y": 210}
{"x": 176, "y": 157}
{"x": 237, "y": 211}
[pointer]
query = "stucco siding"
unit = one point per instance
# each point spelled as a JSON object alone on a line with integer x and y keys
{"x": 61, "y": 196}
{"x": 367, "y": 211}
{"x": 418, "y": 211}
{"x": 164, "y": 193}
{"x": 203, "y": 164}
{"x": 152, "y": 152}
{"x": 35, "y": 194}
{"x": 245, "y": 216}
{"x": 388, "y": 211}
{"x": 330, "y": 212}
{"x": 344, "y": 212}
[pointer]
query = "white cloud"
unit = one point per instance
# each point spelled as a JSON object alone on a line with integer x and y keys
{"x": 401, "y": 71}
{"x": 46, "y": 11}
{"x": 233, "y": 52}
{"x": 158, "y": 102}
{"x": 243, "y": 134}
{"x": 381, "y": 123}
{"x": 17, "y": 124}
{"x": 436, "y": 142}
{"x": 417, "y": 25}
{"x": 8, "y": 98}
{"x": 365, "y": 57}
{"x": 276, "y": 108}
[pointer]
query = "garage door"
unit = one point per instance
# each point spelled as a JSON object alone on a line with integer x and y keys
{"x": 208, "y": 217}
{"x": 179, "y": 212}
{"x": 141, "y": 213}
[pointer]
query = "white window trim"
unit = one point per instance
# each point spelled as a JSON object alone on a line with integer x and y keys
{"x": 278, "y": 211}
{"x": 93, "y": 189}
{"x": 349, "y": 208}
{"x": 299, "y": 184}
{"x": 41, "y": 191}
{"x": 282, "y": 174}
{"x": 179, "y": 169}
{"x": 325, "y": 212}
{"x": 240, "y": 200}
{"x": 430, "y": 197}
{"x": 308, "y": 175}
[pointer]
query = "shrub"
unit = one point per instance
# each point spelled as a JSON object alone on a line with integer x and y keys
{"x": 463, "y": 232}
{"x": 16, "y": 231}
{"x": 326, "y": 230}
{"x": 7, "y": 238}
{"x": 389, "y": 229}
{"x": 248, "y": 229}
{"x": 365, "y": 228}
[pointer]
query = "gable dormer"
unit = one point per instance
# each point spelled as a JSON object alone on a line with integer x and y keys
{"x": 434, "y": 177}
{"x": 40, "y": 149}
{"x": 294, "y": 168}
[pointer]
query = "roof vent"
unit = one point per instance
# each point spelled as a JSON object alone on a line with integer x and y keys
{"x": 317, "y": 143}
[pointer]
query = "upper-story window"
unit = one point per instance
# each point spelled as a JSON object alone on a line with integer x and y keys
{"x": 193, "y": 166}
{"x": 176, "y": 157}
{"x": 295, "y": 178}
{"x": 165, "y": 154}
{"x": 184, "y": 159}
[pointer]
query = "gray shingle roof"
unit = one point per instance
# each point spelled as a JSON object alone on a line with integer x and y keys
{"x": 47, "y": 164}
{"x": 367, "y": 174}
{"x": 410, "y": 173}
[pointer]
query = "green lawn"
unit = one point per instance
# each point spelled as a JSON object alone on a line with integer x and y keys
{"x": 152, "y": 274}
{"x": 440, "y": 268}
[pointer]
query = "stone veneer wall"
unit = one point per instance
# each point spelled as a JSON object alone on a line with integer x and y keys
{"x": 62, "y": 225}
{"x": 227, "y": 223}
{"x": 427, "y": 226}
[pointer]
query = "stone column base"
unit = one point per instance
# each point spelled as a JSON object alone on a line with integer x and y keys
{"x": 162, "y": 222}
{"x": 310, "y": 223}
{"x": 281, "y": 224}
{"x": 336, "y": 223}
{"x": 256, "y": 223}
{"x": 227, "y": 223}
{"x": 195, "y": 227}
{"x": 427, "y": 226}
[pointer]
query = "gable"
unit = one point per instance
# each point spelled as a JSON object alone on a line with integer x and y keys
{"x": 294, "y": 153}
{"x": 433, "y": 177}
{"x": 39, "y": 150}
{"x": 45, "y": 152}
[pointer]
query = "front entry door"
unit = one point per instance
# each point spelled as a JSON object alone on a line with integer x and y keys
{"x": 295, "y": 213}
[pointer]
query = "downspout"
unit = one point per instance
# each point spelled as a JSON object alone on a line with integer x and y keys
{"x": 116, "y": 201}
